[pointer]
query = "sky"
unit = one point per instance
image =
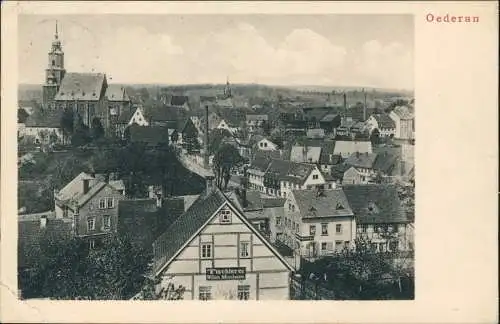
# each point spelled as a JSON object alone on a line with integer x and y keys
{"x": 327, "y": 50}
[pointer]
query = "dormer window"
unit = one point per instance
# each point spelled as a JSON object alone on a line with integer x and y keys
{"x": 339, "y": 206}
{"x": 225, "y": 217}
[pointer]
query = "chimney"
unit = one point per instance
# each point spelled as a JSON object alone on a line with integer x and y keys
{"x": 243, "y": 191}
{"x": 86, "y": 185}
{"x": 43, "y": 221}
{"x": 364, "y": 108}
{"x": 207, "y": 154}
{"x": 345, "y": 103}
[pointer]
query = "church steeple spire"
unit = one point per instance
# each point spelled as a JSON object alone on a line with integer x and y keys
{"x": 56, "y": 35}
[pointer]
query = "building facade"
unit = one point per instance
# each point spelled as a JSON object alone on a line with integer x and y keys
{"x": 214, "y": 252}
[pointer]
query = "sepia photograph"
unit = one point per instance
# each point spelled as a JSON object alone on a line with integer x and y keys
{"x": 216, "y": 157}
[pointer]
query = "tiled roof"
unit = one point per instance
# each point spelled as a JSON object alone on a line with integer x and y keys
{"x": 299, "y": 154}
{"x": 315, "y": 133}
{"x": 116, "y": 92}
{"x": 81, "y": 86}
{"x": 361, "y": 160}
{"x": 385, "y": 162}
{"x": 31, "y": 235}
{"x": 322, "y": 203}
{"x": 348, "y": 147}
{"x": 267, "y": 155}
{"x": 260, "y": 163}
{"x": 273, "y": 202}
{"x": 256, "y": 117}
{"x": 288, "y": 170}
{"x": 143, "y": 221}
{"x": 117, "y": 184}
{"x": 162, "y": 113}
{"x": 233, "y": 117}
{"x": 384, "y": 121}
{"x": 329, "y": 117}
{"x": 403, "y": 112}
{"x": 184, "y": 227}
{"x": 254, "y": 202}
{"x": 74, "y": 189}
{"x": 47, "y": 119}
{"x": 383, "y": 200}
{"x": 150, "y": 135}
{"x": 178, "y": 100}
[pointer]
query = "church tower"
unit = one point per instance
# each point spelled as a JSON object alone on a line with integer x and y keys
{"x": 227, "y": 89}
{"x": 54, "y": 73}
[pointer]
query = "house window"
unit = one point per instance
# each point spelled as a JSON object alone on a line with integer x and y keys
{"x": 91, "y": 244}
{"x": 243, "y": 292}
{"x": 381, "y": 247}
{"x": 338, "y": 245}
{"x": 206, "y": 251}
{"x": 91, "y": 223}
{"x": 205, "y": 293}
{"x": 225, "y": 217}
{"x": 278, "y": 221}
{"x": 323, "y": 246}
{"x": 315, "y": 177}
{"x": 338, "y": 228}
{"x": 265, "y": 144}
{"x": 244, "y": 249}
{"x": 324, "y": 229}
{"x": 110, "y": 202}
{"x": 107, "y": 222}
{"x": 312, "y": 230}
{"x": 296, "y": 228}
{"x": 364, "y": 228}
{"x": 102, "y": 203}
{"x": 395, "y": 228}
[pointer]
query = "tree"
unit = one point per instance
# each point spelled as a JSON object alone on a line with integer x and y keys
{"x": 80, "y": 134}
{"x": 67, "y": 123}
{"x": 215, "y": 139}
{"x": 266, "y": 126}
{"x": 22, "y": 115}
{"x": 191, "y": 140}
{"x": 97, "y": 129}
{"x": 67, "y": 269}
{"x": 149, "y": 291}
{"x": 226, "y": 159}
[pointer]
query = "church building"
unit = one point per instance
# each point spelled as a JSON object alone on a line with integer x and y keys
{"x": 87, "y": 94}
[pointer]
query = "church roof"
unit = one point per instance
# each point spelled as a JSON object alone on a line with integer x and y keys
{"x": 81, "y": 86}
{"x": 116, "y": 92}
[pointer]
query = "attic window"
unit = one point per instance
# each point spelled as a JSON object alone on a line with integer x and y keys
{"x": 225, "y": 217}
{"x": 339, "y": 206}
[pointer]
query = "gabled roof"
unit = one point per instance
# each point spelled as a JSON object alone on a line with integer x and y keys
{"x": 361, "y": 160}
{"x": 74, "y": 188}
{"x": 172, "y": 240}
{"x": 289, "y": 170}
{"x": 189, "y": 224}
{"x": 81, "y": 86}
{"x": 322, "y": 203}
{"x": 384, "y": 197}
{"x": 116, "y": 92}
{"x": 46, "y": 119}
{"x": 178, "y": 100}
{"x": 384, "y": 121}
{"x": 260, "y": 163}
